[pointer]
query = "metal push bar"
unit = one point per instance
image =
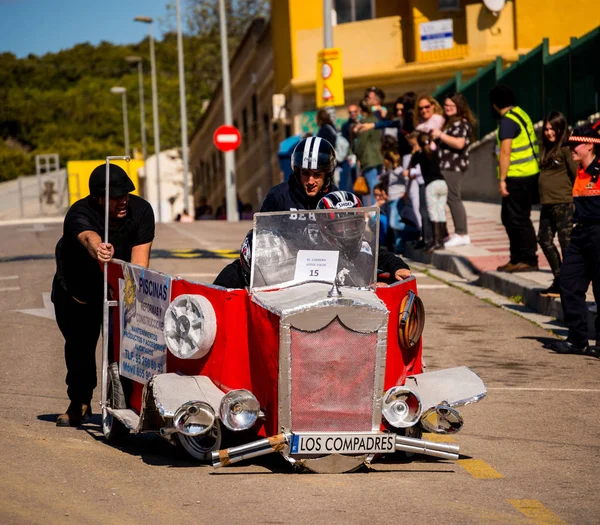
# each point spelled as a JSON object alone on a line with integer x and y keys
{"x": 106, "y": 302}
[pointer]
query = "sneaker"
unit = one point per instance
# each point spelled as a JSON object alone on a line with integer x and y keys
{"x": 76, "y": 414}
{"x": 565, "y": 347}
{"x": 457, "y": 240}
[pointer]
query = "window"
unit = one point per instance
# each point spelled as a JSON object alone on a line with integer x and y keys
{"x": 354, "y": 10}
{"x": 449, "y": 5}
{"x": 245, "y": 121}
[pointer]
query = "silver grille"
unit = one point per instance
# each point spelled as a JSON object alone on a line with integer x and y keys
{"x": 332, "y": 379}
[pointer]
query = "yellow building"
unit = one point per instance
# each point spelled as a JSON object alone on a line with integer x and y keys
{"x": 396, "y": 45}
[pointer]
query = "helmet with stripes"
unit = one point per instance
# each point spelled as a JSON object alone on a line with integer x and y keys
{"x": 315, "y": 154}
{"x": 344, "y": 230}
{"x": 246, "y": 257}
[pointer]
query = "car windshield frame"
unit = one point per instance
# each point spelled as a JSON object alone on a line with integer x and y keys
{"x": 286, "y": 243}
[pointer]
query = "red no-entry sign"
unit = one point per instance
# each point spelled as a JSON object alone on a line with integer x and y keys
{"x": 227, "y": 138}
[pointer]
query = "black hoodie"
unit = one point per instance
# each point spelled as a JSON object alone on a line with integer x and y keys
{"x": 291, "y": 196}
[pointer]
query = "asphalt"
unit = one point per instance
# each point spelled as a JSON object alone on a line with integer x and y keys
{"x": 476, "y": 263}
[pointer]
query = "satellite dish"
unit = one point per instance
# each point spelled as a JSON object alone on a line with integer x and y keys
{"x": 495, "y": 6}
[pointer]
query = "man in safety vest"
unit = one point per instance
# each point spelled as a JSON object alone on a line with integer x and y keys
{"x": 518, "y": 172}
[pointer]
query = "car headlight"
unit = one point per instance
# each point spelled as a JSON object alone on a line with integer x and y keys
{"x": 401, "y": 407}
{"x": 194, "y": 418}
{"x": 239, "y": 409}
{"x": 190, "y": 326}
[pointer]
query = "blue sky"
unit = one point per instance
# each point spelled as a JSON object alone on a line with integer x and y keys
{"x": 43, "y": 26}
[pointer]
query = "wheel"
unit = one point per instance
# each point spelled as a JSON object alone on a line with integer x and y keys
{"x": 200, "y": 447}
{"x": 114, "y": 431}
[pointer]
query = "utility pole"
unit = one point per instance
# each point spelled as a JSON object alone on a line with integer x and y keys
{"x": 230, "y": 188}
{"x": 182, "y": 104}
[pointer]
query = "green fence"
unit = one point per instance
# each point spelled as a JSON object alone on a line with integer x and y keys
{"x": 568, "y": 81}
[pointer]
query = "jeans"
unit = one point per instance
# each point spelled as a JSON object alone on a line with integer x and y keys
{"x": 516, "y": 218}
{"x": 372, "y": 176}
{"x": 403, "y": 231}
{"x": 457, "y": 208}
{"x": 555, "y": 219}
{"x": 347, "y": 176}
{"x": 426, "y": 228}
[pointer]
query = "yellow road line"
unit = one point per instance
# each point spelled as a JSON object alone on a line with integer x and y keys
{"x": 439, "y": 438}
{"x": 479, "y": 469}
{"x": 536, "y": 512}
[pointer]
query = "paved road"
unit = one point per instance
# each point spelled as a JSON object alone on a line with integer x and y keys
{"x": 530, "y": 449}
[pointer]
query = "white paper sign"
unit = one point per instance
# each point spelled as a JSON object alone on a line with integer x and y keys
{"x": 436, "y": 35}
{"x": 144, "y": 296}
{"x": 316, "y": 265}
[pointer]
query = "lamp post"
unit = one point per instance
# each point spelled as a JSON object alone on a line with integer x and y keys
{"x": 230, "y": 189}
{"x": 134, "y": 60}
{"x": 119, "y": 90}
{"x": 149, "y": 20}
{"x": 182, "y": 105}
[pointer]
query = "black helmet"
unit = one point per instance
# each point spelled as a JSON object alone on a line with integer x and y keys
{"x": 342, "y": 230}
{"x": 246, "y": 257}
{"x": 314, "y": 153}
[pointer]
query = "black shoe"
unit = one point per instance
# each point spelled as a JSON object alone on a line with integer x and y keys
{"x": 552, "y": 291}
{"x": 593, "y": 351}
{"x": 76, "y": 414}
{"x": 419, "y": 245}
{"x": 564, "y": 347}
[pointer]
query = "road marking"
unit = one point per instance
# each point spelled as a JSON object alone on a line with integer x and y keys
{"x": 431, "y": 286}
{"x": 7, "y": 277}
{"x": 439, "y": 438}
{"x": 536, "y": 512}
{"x": 10, "y": 289}
{"x": 479, "y": 469}
{"x": 549, "y": 389}
{"x": 46, "y": 312}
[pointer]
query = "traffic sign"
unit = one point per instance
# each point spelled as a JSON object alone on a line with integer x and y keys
{"x": 330, "y": 80}
{"x": 227, "y": 138}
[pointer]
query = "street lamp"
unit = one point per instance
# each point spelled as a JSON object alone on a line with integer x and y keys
{"x": 184, "y": 135}
{"x": 149, "y": 20}
{"x": 119, "y": 90}
{"x": 134, "y": 60}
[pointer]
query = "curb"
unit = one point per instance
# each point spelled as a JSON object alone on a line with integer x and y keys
{"x": 506, "y": 284}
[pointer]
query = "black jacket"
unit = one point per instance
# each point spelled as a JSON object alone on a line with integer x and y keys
{"x": 291, "y": 196}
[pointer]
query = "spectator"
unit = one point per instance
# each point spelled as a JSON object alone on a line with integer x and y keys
{"x": 557, "y": 174}
{"x": 247, "y": 213}
{"x": 436, "y": 191}
{"x": 201, "y": 208}
{"x": 453, "y": 142}
{"x": 77, "y": 288}
{"x": 208, "y": 214}
{"x": 381, "y": 201}
{"x": 518, "y": 172}
{"x": 185, "y": 216}
{"x": 580, "y": 263}
{"x": 368, "y": 153}
{"x": 348, "y": 165}
{"x": 375, "y": 98}
{"x": 221, "y": 213}
{"x": 428, "y": 117}
{"x": 327, "y": 129}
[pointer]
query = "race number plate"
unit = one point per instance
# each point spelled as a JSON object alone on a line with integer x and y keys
{"x": 360, "y": 443}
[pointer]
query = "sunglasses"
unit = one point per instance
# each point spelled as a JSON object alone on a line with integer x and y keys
{"x": 424, "y": 107}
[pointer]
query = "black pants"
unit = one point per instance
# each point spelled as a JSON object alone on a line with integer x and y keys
{"x": 80, "y": 325}
{"x": 516, "y": 218}
{"x": 555, "y": 219}
{"x": 581, "y": 265}
{"x": 426, "y": 226}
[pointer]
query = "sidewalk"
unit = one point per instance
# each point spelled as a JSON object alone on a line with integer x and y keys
{"x": 489, "y": 249}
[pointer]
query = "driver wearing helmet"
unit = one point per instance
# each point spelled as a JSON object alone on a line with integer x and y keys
{"x": 346, "y": 235}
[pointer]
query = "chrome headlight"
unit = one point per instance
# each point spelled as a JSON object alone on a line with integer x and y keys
{"x": 194, "y": 418}
{"x": 190, "y": 326}
{"x": 239, "y": 409}
{"x": 442, "y": 419}
{"x": 401, "y": 407}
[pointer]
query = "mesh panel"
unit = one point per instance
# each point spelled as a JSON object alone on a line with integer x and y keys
{"x": 333, "y": 375}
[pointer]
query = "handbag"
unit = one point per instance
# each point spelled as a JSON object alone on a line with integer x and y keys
{"x": 360, "y": 186}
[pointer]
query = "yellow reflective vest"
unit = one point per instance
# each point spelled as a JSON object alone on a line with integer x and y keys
{"x": 525, "y": 151}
